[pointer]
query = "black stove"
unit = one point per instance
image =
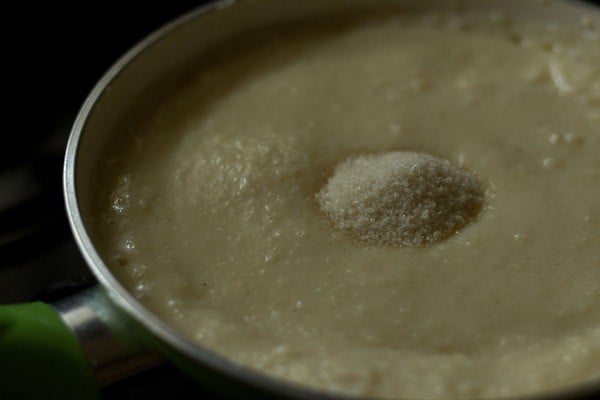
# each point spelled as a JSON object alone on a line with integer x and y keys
{"x": 53, "y": 55}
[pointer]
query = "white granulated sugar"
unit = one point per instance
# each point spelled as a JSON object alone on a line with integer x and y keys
{"x": 400, "y": 198}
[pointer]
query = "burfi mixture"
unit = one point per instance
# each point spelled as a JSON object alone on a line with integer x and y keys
{"x": 232, "y": 214}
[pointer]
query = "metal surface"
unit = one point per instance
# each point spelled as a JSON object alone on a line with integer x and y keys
{"x": 113, "y": 345}
{"x": 166, "y": 51}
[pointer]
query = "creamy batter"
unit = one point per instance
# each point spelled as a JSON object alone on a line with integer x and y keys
{"x": 210, "y": 216}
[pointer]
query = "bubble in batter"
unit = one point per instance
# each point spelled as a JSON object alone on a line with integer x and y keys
{"x": 400, "y": 198}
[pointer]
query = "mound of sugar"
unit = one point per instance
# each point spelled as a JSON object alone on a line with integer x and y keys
{"x": 400, "y": 198}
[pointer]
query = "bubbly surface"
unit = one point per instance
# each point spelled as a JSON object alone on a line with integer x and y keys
{"x": 210, "y": 217}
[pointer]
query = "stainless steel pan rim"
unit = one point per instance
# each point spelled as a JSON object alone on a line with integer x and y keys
{"x": 125, "y": 301}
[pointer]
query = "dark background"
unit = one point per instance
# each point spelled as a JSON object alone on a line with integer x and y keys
{"x": 52, "y": 55}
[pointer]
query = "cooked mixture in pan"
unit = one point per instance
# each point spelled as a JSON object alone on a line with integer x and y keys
{"x": 390, "y": 205}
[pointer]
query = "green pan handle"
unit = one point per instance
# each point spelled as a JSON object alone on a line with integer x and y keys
{"x": 40, "y": 357}
{"x": 70, "y": 349}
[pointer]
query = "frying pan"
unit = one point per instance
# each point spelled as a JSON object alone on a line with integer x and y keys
{"x": 69, "y": 349}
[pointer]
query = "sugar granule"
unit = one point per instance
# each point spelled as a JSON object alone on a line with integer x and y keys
{"x": 400, "y": 198}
